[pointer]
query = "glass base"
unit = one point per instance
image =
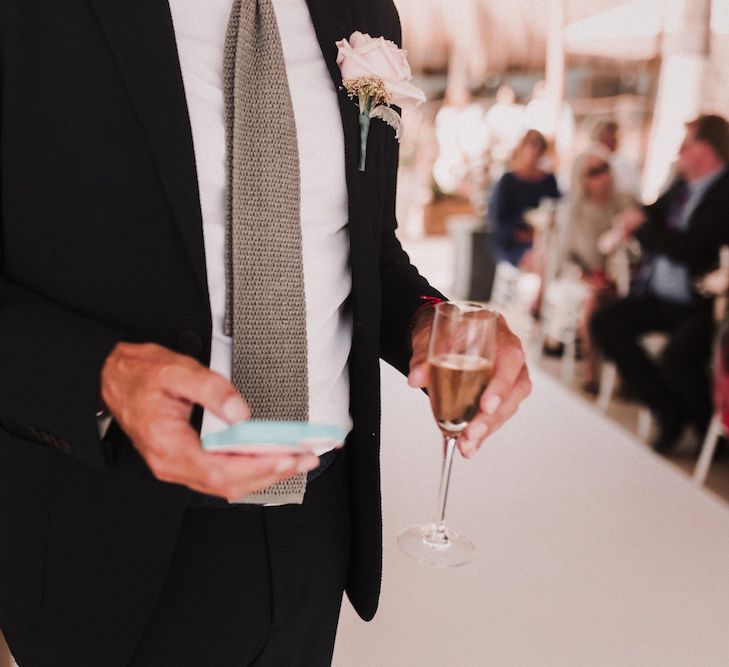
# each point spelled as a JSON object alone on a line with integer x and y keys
{"x": 425, "y": 545}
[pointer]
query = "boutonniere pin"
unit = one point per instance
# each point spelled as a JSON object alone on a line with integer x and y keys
{"x": 376, "y": 74}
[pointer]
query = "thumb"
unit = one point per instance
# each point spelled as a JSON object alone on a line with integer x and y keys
{"x": 418, "y": 377}
{"x": 212, "y": 391}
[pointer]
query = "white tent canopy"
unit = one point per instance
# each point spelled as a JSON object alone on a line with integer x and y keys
{"x": 631, "y": 30}
{"x": 491, "y": 35}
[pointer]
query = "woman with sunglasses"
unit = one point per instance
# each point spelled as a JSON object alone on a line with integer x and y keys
{"x": 594, "y": 203}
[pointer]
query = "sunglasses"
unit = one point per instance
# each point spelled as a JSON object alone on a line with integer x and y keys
{"x": 598, "y": 171}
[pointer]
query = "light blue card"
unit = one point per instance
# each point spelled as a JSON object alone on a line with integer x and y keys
{"x": 258, "y": 437}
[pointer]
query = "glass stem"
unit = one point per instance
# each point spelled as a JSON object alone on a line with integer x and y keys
{"x": 449, "y": 447}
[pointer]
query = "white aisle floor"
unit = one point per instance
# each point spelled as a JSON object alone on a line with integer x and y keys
{"x": 591, "y": 550}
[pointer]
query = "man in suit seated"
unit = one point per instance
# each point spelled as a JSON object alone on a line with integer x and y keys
{"x": 681, "y": 235}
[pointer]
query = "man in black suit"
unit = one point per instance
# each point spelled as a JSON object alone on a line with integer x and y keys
{"x": 116, "y": 546}
{"x": 681, "y": 235}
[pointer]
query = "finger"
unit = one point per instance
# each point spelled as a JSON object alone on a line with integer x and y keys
{"x": 521, "y": 390}
{"x": 477, "y": 430}
{"x": 212, "y": 391}
{"x": 419, "y": 375}
{"x": 235, "y": 476}
{"x": 223, "y": 475}
{"x": 483, "y": 426}
{"x": 509, "y": 362}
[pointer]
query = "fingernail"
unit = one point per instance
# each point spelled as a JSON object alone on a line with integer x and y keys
{"x": 285, "y": 465}
{"x": 468, "y": 449}
{"x": 478, "y": 431}
{"x": 492, "y": 405}
{"x": 308, "y": 464}
{"x": 234, "y": 409}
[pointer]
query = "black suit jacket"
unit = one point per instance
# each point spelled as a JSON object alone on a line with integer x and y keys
{"x": 708, "y": 228}
{"x": 101, "y": 241}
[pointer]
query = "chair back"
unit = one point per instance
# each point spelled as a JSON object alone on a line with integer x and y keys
{"x": 504, "y": 291}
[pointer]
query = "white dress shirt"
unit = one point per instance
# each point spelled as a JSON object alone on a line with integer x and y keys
{"x": 200, "y": 29}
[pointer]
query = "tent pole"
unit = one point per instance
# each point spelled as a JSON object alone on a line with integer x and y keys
{"x": 685, "y": 54}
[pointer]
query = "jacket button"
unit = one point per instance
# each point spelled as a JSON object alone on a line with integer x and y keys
{"x": 190, "y": 343}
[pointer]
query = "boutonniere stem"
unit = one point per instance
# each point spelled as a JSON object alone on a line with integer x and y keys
{"x": 364, "y": 130}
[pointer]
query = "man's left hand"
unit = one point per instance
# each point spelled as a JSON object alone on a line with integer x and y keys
{"x": 509, "y": 386}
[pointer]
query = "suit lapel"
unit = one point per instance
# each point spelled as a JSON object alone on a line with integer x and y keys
{"x": 715, "y": 189}
{"x": 333, "y": 21}
{"x": 141, "y": 36}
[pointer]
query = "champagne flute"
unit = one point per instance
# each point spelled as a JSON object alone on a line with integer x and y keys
{"x": 461, "y": 359}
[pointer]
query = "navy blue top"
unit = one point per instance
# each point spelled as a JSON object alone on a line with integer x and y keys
{"x": 511, "y": 197}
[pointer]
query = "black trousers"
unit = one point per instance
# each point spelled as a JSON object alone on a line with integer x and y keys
{"x": 255, "y": 586}
{"x": 676, "y": 387}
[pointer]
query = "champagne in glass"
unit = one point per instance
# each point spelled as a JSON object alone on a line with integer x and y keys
{"x": 461, "y": 361}
{"x": 456, "y": 384}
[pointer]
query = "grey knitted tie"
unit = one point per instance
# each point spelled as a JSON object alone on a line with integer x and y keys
{"x": 266, "y": 307}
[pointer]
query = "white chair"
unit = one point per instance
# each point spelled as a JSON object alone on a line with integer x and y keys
{"x": 620, "y": 268}
{"x": 654, "y": 345}
{"x": 701, "y": 470}
{"x": 562, "y": 308}
{"x": 718, "y": 285}
{"x": 504, "y": 290}
{"x": 512, "y": 294}
{"x": 563, "y": 295}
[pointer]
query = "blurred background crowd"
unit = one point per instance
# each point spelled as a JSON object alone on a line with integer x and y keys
{"x": 570, "y": 167}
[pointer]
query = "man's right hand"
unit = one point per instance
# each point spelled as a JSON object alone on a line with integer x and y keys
{"x": 151, "y": 391}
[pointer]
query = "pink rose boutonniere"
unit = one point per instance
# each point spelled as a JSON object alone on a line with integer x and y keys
{"x": 376, "y": 73}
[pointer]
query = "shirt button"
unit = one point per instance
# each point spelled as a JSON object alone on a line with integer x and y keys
{"x": 190, "y": 343}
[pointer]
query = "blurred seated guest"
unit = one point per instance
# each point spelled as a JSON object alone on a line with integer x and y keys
{"x": 594, "y": 204}
{"x": 626, "y": 175}
{"x": 517, "y": 191}
{"x": 681, "y": 235}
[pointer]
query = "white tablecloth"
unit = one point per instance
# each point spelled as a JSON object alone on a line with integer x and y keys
{"x": 591, "y": 550}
